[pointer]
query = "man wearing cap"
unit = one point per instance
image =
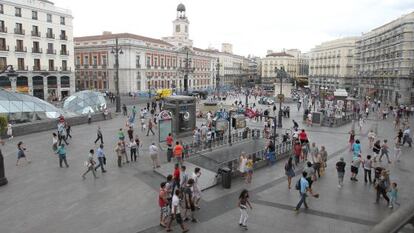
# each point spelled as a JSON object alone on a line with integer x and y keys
{"x": 340, "y": 168}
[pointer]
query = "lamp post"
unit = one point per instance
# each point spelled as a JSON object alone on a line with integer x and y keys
{"x": 12, "y": 75}
{"x": 279, "y": 74}
{"x": 218, "y": 78}
{"x": 186, "y": 70}
{"x": 117, "y": 50}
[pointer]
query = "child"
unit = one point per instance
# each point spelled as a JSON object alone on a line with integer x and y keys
{"x": 392, "y": 194}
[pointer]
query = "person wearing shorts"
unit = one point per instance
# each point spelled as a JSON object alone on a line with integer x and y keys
{"x": 176, "y": 213}
{"x": 163, "y": 203}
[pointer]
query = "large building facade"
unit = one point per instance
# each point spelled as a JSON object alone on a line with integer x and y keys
{"x": 149, "y": 64}
{"x": 331, "y": 65}
{"x": 385, "y": 62}
{"x": 36, "y": 38}
{"x": 277, "y": 60}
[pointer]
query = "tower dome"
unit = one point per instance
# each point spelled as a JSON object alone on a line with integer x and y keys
{"x": 180, "y": 7}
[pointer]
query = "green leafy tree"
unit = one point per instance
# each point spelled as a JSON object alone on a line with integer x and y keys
{"x": 3, "y": 124}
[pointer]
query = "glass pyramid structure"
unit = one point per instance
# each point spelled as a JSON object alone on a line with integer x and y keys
{"x": 84, "y": 101}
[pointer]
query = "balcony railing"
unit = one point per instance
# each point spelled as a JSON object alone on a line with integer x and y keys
{"x": 50, "y": 35}
{"x": 37, "y": 68}
{"x": 52, "y": 68}
{"x": 63, "y": 37}
{"x": 20, "y": 49}
{"x": 36, "y": 33}
{"x": 51, "y": 51}
{"x": 18, "y": 14}
{"x": 77, "y": 66}
{"x": 104, "y": 66}
{"x": 22, "y": 68}
{"x": 37, "y": 50}
{"x": 85, "y": 66}
{"x": 95, "y": 65}
{"x": 19, "y": 31}
{"x": 3, "y": 29}
{"x": 4, "y": 48}
{"x": 64, "y": 52}
{"x": 63, "y": 68}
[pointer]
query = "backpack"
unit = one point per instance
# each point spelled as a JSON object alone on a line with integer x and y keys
{"x": 297, "y": 185}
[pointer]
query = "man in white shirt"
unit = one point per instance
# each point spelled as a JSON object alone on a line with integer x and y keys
{"x": 175, "y": 212}
{"x": 153, "y": 151}
{"x": 196, "y": 189}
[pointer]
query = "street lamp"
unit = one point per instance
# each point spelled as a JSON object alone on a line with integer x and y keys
{"x": 117, "y": 50}
{"x": 280, "y": 73}
{"x": 186, "y": 70}
{"x": 12, "y": 75}
{"x": 218, "y": 78}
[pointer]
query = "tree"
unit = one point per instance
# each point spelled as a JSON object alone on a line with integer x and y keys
{"x": 3, "y": 124}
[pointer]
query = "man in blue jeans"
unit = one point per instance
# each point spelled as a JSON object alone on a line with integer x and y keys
{"x": 101, "y": 158}
{"x": 303, "y": 190}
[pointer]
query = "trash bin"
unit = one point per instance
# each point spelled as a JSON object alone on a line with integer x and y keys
{"x": 225, "y": 177}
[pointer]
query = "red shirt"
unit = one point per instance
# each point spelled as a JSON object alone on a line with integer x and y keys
{"x": 298, "y": 149}
{"x": 169, "y": 140}
{"x": 176, "y": 174}
{"x": 161, "y": 201}
{"x": 303, "y": 136}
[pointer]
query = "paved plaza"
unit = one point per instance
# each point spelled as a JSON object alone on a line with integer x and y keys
{"x": 43, "y": 198}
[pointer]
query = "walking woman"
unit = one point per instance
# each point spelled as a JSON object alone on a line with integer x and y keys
{"x": 351, "y": 139}
{"x": 249, "y": 170}
{"x": 243, "y": 203}
{"x": 289, "y": 171}
{"x": 20, "y": 153}
{"x": 118, "y": 150}
{"x": 61, "y": 152}
{"x": 9, "y": 131}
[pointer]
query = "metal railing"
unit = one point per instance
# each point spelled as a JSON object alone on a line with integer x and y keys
{"x": 221, "y": 140}
{"x": 394, "y": 223}
{"x": 260, "y": 157}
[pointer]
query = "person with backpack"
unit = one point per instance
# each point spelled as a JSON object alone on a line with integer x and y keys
{"x": 340, "y": 169}
{"x": 61, "y": 152}
{"x": 302, "y": 185}
{"x": 289, "y": 171}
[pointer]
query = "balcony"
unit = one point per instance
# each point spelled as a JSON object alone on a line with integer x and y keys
{"x": 50, "y": 35}
{"x": 37, "y": 50}
{"x": 64, "y": 52}
{"x": 22, "y": 68}
{"x": 20, "y": 49}
{"x": 94, "y": 65}
{"x": 63, "y": 37}
{"x": 17, "y": 14}
{"x": 103, "y": 66}
{"x": 51, "y": 51}
{"x": 86, "y": 66}
{"x": 77, "y": 66}
{"x": 19, "y": 31}
{"x": 3, "y": 29}
{"x": 52, "y": 68}
{"x": 37, "y": 68}
{"x": 4, "y": 48}
{"x": 65, "y": 69}
{"x": 36, "y": 33}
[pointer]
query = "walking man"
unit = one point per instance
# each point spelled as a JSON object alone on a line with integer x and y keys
{"x": 90, "y": 165}
{"x": 303, "y": 190}
{"x": 101, "y": 158}
{"x": 99, "y": 135}
{"x": 153, "y": 151}
{"x": 178, "y": 153}
{"x": 340, "y": 169}
{"x": 150, "y": 125}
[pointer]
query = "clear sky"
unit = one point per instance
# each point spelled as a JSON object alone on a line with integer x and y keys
{"x": 252, "y": 26}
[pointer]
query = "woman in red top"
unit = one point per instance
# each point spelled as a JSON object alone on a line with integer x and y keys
{"x": 303, "y": 137}
{"x": 298, "y": 152}
{"x": 176, "y": 177}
